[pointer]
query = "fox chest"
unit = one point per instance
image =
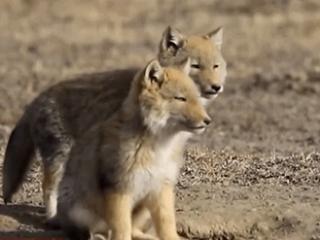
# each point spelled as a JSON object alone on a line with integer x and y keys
{"x": 149, "y": 177}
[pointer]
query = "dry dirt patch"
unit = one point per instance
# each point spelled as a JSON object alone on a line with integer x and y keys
{"x": 255, "y": 173}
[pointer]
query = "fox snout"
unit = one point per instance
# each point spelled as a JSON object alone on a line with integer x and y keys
{"x": 212, "y": 90}
{"x": 203, "y": 124}
{"x": 216, "y": 88}
{"x": 207, "y": 121}
{"x": 198, "y": 121}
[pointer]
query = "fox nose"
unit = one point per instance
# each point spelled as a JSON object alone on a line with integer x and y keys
{"x": 216, "y": 87}
{"x": 207, "y": 121}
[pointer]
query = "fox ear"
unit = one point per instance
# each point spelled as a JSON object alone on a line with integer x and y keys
{"x": 172, "y": 40}
{"x": 153, "y": 73}
{"x": 217, "y": 37}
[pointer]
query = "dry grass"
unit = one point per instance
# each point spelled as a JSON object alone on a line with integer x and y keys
{"x": 251, "y": 170}
{"x": 227, "y": 168}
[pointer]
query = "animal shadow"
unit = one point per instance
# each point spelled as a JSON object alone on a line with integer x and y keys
{"x": 25, "y": 214}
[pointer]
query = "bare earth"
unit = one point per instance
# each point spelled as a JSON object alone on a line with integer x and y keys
{"x": 255, "y": 173}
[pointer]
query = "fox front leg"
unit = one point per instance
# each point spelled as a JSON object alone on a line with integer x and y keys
{"x": 161, "y": 206}
{"x": 118, "y": 215}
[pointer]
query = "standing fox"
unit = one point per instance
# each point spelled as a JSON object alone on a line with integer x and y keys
{"x": 60, "y": 115}
{"x": 125, "y": 162}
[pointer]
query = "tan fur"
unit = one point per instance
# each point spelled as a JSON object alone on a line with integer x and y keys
{"x": 118, "y": 214}
{"x": 62, "y": 114}
{"x": 141, "y": 223}
{"x": 200, "y": 49}
{"x": 161, "y": 205}
{"x": 130, "y": 163}
{"x": 208, "y": 67}
{"x": 49, "y": 189}
{"x": 204, "y": 51}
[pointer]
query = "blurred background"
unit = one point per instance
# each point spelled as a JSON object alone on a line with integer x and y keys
{"x": 271, "y": 100}
{"x": 259, "y": 160}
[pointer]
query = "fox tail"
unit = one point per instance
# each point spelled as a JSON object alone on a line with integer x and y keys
{"x": 18, "y": 155}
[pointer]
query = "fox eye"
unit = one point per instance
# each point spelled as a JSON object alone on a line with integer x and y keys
{"x": 182, "y": 99}
{"x": 197, "y": 66}
{"x": 215, "y": 66}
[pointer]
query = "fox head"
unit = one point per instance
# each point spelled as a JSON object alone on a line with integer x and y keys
{"x": 208, "y": 67}
{"x": 168, "y": 95}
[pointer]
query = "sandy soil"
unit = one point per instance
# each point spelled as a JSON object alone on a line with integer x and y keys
{"x": 255, "y": 173}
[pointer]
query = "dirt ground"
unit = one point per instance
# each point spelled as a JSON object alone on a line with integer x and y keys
{"x": 255, "y": 173}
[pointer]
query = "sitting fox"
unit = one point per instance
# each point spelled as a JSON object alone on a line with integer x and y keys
{"x": 123, "y": 164}
{"x": 60, "y": 115}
